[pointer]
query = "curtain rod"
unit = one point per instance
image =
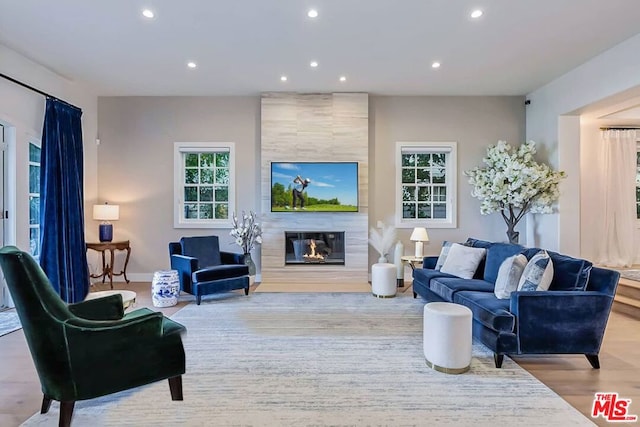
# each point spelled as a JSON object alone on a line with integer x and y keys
{"x": 619, "y": 128}
{"x": 45, "y": 94}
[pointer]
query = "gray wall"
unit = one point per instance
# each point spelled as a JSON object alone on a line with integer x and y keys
{"x": 135, "y": 159}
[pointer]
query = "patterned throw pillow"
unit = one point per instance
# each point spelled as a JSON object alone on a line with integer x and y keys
{"x": 509, "y": 275}
{"x": 463, "y": 261}
{"x": 538, "y": 273}
{"x": 444, "y": 252}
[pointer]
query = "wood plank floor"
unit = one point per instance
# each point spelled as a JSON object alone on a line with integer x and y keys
{"x": 570, "y": 376}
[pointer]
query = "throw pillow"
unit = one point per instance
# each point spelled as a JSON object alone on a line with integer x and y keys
{"x": 538, "y": 273}
{"x": 509, "y": 275}
{"x": 444, "y": 252}
{"x": 462, "y": 261}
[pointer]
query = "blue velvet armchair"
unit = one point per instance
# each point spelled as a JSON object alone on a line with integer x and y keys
{"x": 204, "y": 269}
{"x": 91, "y": 348}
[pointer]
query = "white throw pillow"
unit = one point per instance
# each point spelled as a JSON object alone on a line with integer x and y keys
{"x": 538, "y": 273}
{"x": 463, "y": 261}
{"x": 509, "y": 275}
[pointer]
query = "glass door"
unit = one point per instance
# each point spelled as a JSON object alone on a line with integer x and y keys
{"x": 5, "y": 298}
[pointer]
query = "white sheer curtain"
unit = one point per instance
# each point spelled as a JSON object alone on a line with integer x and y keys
{"x": 619, "y": 219}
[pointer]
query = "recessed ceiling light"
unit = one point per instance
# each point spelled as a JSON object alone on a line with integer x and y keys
{"x": 312, "y": 13}
{"x": 313, "y": 64}
{"x": 283, "y": 78}
{"x": 192, "y": 64}
{"x": 148, "y": 13}
{"x": 435, "y": 64}
{"x": 476, "y": 14}
{"x": 343, "y": 79}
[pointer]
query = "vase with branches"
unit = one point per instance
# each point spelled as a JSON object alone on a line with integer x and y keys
{"x": 382, "y": 240}
{"x": 247, "y": 232}
{"x": 514, "y": 184}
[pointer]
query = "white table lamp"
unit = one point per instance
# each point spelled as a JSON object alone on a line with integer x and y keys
{"x": 106, "y": 213}
{"x": 419, "y": 236}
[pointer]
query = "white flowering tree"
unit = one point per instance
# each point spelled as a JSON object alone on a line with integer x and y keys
{"x": 513, "y": 183}
{"x": 246, "y": 231}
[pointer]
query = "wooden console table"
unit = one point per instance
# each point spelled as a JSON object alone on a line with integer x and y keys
{"x": 107, "y": 268}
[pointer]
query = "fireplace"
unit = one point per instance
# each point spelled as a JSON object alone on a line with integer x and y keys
{"x": 314, "y": 247}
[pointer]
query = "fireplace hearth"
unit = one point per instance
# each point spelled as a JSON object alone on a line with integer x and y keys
{"x": 314, "y": 247}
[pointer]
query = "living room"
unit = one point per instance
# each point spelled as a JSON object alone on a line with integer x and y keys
{"x": 130, "y": 131}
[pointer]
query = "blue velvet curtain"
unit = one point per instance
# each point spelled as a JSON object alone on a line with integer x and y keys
{"x": 62, "y": 255}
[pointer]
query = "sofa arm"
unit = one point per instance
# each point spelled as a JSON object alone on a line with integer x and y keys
{"x": 231, "y": 258}
{"x": 429, "y": 262}
{"x": 105, "y": 308}
{"x": 560, "y": 321}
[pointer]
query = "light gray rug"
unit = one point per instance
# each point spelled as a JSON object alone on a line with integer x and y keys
{"x": 630, "y": 274}
{"x": 277, "y": 359}
{"x": 9, "y": 321}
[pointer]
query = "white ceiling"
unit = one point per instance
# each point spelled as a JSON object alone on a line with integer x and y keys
{"x": 242, "y": 47}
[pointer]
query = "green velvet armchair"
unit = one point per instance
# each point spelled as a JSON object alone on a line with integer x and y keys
{"x": 90, "y": 349}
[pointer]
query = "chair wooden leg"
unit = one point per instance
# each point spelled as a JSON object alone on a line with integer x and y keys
{"x": 593, "y": 359}
{"x": 46, "y": 404}
{"x": 415, "y": 295}
{"x": 175, "y": 386}
{"x": 246, "y": 290}
{"x": 497, "y": 359}
{"x": 198, "y": 299}
{"x": 66, "y": 412}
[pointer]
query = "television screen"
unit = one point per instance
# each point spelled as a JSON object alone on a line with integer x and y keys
{"x": 314, "y": 187}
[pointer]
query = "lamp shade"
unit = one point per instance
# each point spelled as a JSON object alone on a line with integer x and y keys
{"x": 106, "y": 212}
{"x": 419, "y": 235}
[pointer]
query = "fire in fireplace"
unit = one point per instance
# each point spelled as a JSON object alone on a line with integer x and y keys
{"x": 314, "y": 247}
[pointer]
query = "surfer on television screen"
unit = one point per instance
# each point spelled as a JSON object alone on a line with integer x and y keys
{"x": 299, "y": 185}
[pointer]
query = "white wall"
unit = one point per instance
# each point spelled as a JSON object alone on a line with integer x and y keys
{"x": 23, "y": 111}
{"x": 610, "y": 73}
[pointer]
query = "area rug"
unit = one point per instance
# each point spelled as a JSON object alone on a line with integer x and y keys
{"x": 630, "y": 274}
{"x": 330, "y": 359}
{"x": 9, "y": 321}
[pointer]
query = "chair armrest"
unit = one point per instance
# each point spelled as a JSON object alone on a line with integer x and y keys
{"x": 429, "y": 262}
{"x": 105, "y": 308}
{"x": 185, "y": 265}
{"x": 560, "y": 321}
{"x": 141, "y": 322}
{"x": 231, "y": 258}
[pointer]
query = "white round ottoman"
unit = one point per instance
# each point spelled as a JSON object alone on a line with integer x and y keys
{"x": 447, "y": 337}
{"x": 383, "y": 280}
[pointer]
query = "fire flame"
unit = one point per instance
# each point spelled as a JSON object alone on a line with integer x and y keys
{"x": 313, "y": 254}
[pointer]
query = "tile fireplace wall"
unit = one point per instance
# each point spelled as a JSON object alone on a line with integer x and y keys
{"x": 308, "y": 128}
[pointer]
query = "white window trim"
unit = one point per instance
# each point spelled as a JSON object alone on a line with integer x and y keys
{"x": 37, "y": 143}
{"x": 451, "y": 172}
{"x": 178, "y": 181}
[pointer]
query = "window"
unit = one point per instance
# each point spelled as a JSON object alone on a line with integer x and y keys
{"x": 638, "y": 180}
{"x": 204, "y": 188}
{"x": 426, "y": 184}
{"x": 34, "y": 198}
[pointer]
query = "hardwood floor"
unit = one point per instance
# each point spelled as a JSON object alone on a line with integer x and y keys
{"x": 570, "y": 376}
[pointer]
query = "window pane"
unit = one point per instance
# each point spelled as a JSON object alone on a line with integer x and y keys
{"x": 424, "y": 159}
{"x": 424, "y": 194}
{"x": 424, "y": 176}
{"x": 222, "y": 211}
{"x": 438, "y": 176}
{"x": 34, "y": 153}
{"x": 408, "y": 176}
{"x": 206, "y": 160}
{"x": 439, "y": 194}
{"x": 34, "y": 210}
{"x": 34, "y": 241}
{"x": 424, "y": 210}
{"x": 222, "y": 194}
{"x": 222, "y": 176}
{"x": 222, "y": 160}
{"x": 191, "y": 176}
{"x": 408, "y": 160}
{"x": 190, "y": 194}
{"x": 206, "y": 176}
{"x": 191, "y": 160}
{"x": 439, "y": 160}
{"x": 191, "y": 210}
{"x": 409, "y": 210}
{"x": 206, "y": 195}
{"x": 439, "y": 210}
{"x": 206, "y": 211}
{"x": 409, "y": 193}
{"x": 34, "y": 179}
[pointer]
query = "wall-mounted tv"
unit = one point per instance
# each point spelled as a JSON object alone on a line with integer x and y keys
{"x": 314, "y": 186}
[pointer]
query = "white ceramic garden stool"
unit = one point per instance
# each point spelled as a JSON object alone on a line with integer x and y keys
{"x": 165, "y": 288}
{"x": 383, "y": 280}
{"x": 447, "y": 337}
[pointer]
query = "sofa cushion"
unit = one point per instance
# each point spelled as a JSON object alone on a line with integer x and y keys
{"x": 477, "y": 243}
{"x": 496, "y": 254}
{"x": 204, "y": 248}
{"x": 424, "y": 275}
{"x": 537, "y": 274}
{"x": 488, "y": 310}
{"x": 463, "y": 261}
{"x": 569, "y": 274}
{"x": 446, "y": 287}
{"x": 444, "y": 252}
{"x": 509, "y": 276}
{"x": 218, "y": 272}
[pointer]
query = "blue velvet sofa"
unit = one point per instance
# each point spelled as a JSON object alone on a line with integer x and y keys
{"x": 569, "y": 318}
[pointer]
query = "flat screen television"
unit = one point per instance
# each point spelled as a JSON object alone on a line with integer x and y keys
{"x": 314, "y": 186}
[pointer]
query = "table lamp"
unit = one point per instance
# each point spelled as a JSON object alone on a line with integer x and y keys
{"x": 419, "y": 236}
{"x": 106, "y": 213}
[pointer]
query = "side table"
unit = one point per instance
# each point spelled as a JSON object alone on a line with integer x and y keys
{"x": 412, "y": 261}
{"x": 107, "y": 268}
{"x": 128, "y": 297}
